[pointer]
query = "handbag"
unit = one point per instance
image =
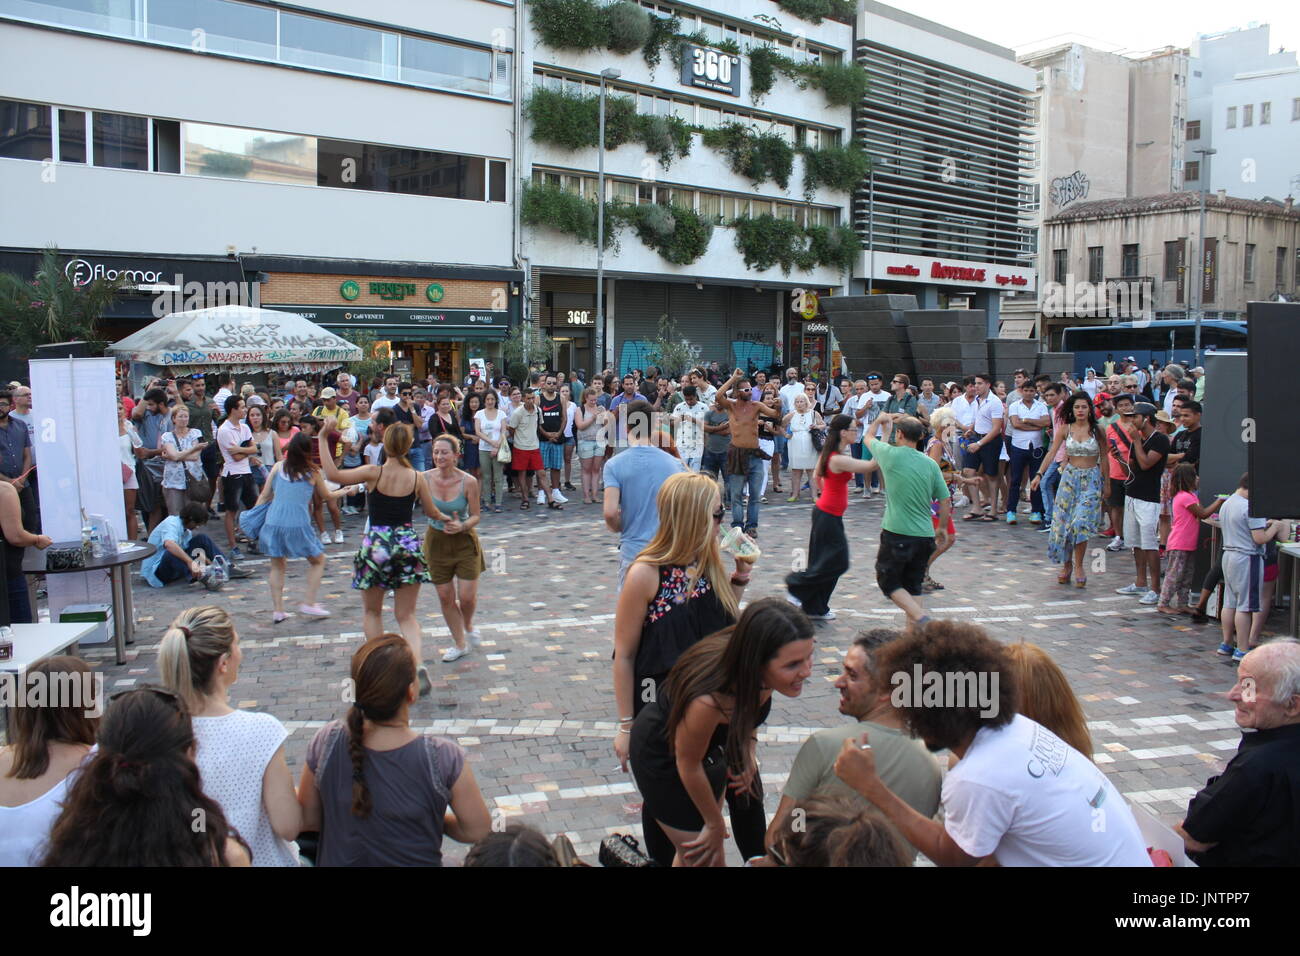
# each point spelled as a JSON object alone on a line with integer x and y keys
{"x": 503, "y": 452}
{"x": 621, "y": 850}
{"x": 198, "y": 489}
{"x": 818, "y": 436}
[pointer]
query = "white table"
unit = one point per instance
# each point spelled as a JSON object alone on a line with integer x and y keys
{"x": 34, "y": 643}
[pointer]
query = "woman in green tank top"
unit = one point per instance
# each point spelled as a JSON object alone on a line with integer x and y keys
{"x": 451, "y": 548}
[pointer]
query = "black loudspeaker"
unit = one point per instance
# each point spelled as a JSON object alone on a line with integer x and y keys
{"x": 1272, "y": 329}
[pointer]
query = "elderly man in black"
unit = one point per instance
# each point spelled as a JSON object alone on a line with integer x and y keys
{"x": 1249, "y": 815}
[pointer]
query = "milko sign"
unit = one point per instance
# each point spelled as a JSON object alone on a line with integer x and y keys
{"x": 82, "y": 272}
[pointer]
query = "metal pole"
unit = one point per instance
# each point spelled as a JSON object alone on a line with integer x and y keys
{"x": 871, "y": 228}
{"x": 1201, "y": 273}
{"x": 599, "y": 363}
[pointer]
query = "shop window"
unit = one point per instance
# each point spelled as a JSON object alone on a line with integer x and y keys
{"x": 72, "y": 136}
{"x": 25, "y": 131}
{"x": 121, "y": 142}
{"x": 219, "y": 26}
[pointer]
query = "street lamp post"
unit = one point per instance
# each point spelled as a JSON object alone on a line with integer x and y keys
{"x": 1201, "y": 273}
{"x": 599, "y": 363}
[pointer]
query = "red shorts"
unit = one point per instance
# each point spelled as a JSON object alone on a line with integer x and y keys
{"x": 1270, "y": 571}
{"x": 526, "y": 459}
{"x": 952, "y": 528}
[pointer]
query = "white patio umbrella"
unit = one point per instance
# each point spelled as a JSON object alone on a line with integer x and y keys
{"x": 238, "y": 338}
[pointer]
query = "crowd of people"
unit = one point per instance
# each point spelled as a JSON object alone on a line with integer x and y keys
{"x": 695, "y": 671}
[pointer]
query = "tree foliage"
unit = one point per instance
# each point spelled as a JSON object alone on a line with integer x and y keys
{"x": 51, "y": 308}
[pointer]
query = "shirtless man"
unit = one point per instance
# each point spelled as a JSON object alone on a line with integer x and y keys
{"x": 745, "y": 463}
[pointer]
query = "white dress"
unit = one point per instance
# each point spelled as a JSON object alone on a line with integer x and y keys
{"x": 802, "y": 453}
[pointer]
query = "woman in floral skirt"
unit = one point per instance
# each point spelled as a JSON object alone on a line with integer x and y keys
{"x": 1077, "y": 512}
{"x": 390, "y": 557}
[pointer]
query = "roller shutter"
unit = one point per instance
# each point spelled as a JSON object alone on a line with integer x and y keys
{"x": 751, "y": 336}
{"x": 637, "y": 309}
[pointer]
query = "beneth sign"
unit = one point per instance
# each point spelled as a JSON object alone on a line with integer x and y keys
{"x": 710, "y": 69}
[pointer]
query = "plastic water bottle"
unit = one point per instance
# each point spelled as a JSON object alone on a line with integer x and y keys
{"x": 87, "y": 534}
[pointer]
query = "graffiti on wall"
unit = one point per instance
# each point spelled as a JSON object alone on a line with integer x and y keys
{"x": 1066, "y": 189}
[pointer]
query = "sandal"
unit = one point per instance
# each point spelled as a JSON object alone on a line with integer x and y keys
{"x": 525, "y": 505}
{"x": 1064, "y": 576}
{"x": 555, "y": 506}
{"x": 792, "y": 499}
{"x": 1081, "y": 581}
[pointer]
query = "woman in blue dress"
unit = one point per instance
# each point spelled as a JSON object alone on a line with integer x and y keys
{"x": 390, "y": 557}
{"x": 283, "y": 528}
{"x": 1077, "y": 511}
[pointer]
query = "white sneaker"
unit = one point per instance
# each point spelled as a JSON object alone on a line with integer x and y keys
{"x": 454, "y": 653}
{"x": 793, "y": 600}
{"x": 1116, "y": 544}
{"x": 324, "y": 537}
{"x": 338, "y": 536}
{"x": 556, "y": 496}
{"x": 1151, "y": 597}
{"x": 541, "y": 497}
{"x": 474, "y": 637}
{"x": 1131, "y": 589}
{"x": 828, "y": 616}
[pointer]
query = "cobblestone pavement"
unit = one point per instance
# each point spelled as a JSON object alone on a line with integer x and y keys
{"x": 534, "y": 708}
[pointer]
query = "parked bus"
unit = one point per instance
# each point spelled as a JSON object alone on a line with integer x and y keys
{"x": 1162, "y": 340}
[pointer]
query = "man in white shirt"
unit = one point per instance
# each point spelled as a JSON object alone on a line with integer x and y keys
{"x": 1018, "y": 793}
{"x": 390, "y": 397}
{"x": 1172, "y": 375}
{"x": 237, "y": 491}
{"x": 227, "y": 389}
{"x": 870, "y": 405}
{"x": 1028, "y": 415}
{"x": 983, "y": 445}
{"x": 688, "y": 426}
{"x": 850, "y": 408}
{"x": 791, "y": 390}
{"x": 703, "y": 388}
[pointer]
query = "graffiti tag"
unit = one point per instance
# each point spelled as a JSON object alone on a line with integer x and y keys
{"x": 1066, "y": 189}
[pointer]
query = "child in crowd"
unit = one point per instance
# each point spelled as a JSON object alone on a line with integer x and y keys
{"x": 1180, "y": 550}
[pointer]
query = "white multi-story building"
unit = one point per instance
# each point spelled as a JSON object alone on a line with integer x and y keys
{"x": 734, "y": 312}
{"x": 1244, "y": 103}
{"x": 946, "y": 119}
{"x": 354, "y": 159}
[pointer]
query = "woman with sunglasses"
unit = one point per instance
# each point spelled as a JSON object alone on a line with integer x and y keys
{"x": 137, "y": 799}
{"x": 674, "y": 593}
{"x": 828, "y": 547}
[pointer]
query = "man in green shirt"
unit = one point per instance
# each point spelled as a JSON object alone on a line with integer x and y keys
{"x": 193, "y": 392}
{"x": 907, "y": 535}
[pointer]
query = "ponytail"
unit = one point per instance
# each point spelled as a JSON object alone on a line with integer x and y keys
{"x": 383, "y": 670}
{"x": 191, "y": 648}
{"x": 361, "y": 805}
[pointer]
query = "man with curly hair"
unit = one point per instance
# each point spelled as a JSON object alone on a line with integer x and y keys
{"x": 1017, "y": 792}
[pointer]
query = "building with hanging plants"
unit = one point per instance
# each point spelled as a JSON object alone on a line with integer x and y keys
{"x": 730, "y": 166}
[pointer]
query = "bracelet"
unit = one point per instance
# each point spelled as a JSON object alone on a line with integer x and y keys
{"x": 626, "y": 720}
{"x": 622, "y": 731}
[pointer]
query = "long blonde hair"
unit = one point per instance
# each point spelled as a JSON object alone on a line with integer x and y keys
{"x": 686, "y": 535}
{"x": 1046, "y": 696}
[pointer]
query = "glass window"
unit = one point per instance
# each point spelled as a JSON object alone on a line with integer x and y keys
{"x": 1248, "y": 268}
{"x": 663, "y": 107}
{"x": 1129, "y": 260}
{"x": 713, "y": 30}
{"x": 1059, "y": 265}
{"x": 742, "y": 207}
{"x": 553, "y": 179}
{"x": 1173, "y": 253}
{"x": 253, "y": 154}
{"x": 1248, "y": 114}
{"x": 573, "y": 184}
{"x": 1232, "y": 117}
{"x": 445, "y": 65}
{"x": 784, "y": 210}
{"x": 710, "y": 117}
{"x": 711, "y": 206}
{"x": 1194, "y": 129}
{"x": 214, "y": 26}
{"x": 166, "y": 146}
{"x": 645, "y": 193}
{"x": 624, "y": 191}
{"x": 645, "y": 104}
{"x": 573, "y": 87}
{"x": 684, "y": 111}
{"x": 801, "y": 215}
{"x": 1095, "y": 262}
{"x": 1191, "y": 171}
{"x": 497, "y": 180}
{"x": 72, "y": 136}
{"x": 395, "y": 170}
{"x": 1265, "y": 113}
{"x": 728, "y": 210}
{"x": 326, "y": 45}
{"x": 121, "y": 142}
{"x": 760, "y": 207}
{"x": 25, "y": 131}
{"x": 553, "y": 83}
{"x": 684, "y": 198}
{"x": 112, "y": 17}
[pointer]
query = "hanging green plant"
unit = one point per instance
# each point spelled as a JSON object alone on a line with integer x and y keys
{"x": 814, "y": 10}
{"x": 627, "y": 26}
{"x": 553, "y": 207}
{"x": 835, "y": 247}
{"x": 758, "y": 156}
{"x": 762, "y": 71}
{"x": 844, "y": 84}
{"x": 665, "y": 137}
{"x": 572, "y": 121}
{"x": 570, "y": 24}
{"x": 678, "y": 234}
{"x": 836, "y": 167}
{"x": 766, "y": 241}
{"x": 728, "y": 45}
{"x": 663, "y": 32}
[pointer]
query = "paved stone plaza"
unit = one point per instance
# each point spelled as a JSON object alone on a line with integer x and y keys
{"x": 534, "y": 708}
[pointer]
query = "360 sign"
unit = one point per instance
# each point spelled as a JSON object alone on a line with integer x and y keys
{"x": 711, "y": 70}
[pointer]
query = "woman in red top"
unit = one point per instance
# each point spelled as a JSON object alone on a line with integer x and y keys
{"x": 828, "y": 548}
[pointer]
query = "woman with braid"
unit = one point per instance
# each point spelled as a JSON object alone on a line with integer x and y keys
{"x": 380, "y": 793}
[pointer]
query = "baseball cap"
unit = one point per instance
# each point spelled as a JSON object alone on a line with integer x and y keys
{"x": 1101, "y": 398}
{"x": 256, "y": 400}
{"x": 1144, "y": 408}
{"x": 327, "y": 393}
